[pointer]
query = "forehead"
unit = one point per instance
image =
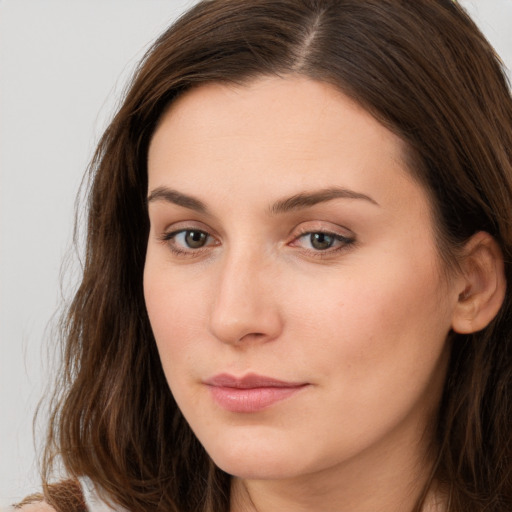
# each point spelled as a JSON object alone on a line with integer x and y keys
{"x": 274, "y": 135}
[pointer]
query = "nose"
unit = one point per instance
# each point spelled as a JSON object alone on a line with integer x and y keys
{"x": 245, "y": 308}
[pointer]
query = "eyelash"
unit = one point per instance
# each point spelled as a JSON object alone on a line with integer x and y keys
{"x": 345, "y": 242}
{"x": 169, "y": 239}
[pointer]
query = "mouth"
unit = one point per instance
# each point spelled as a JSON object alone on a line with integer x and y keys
{"x": 251, "y": 393}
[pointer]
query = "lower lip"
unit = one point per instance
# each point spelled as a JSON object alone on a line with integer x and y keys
{"x": 251, "y": 399}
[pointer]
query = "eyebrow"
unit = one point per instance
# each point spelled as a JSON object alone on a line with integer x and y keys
{"x": 296, "y": 202}
{"x": 175, "y": 197}
{"x": 308, "y": 199}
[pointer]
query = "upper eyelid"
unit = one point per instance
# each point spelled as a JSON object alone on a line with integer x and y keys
{"x": 315, "y": 227}
{"x": 329, "y": 233}
{"x": 304, "y": 228}
{"x": 340, "y": 238}
{"x": 187, "y": 225}
{"x": 174, "y": 232}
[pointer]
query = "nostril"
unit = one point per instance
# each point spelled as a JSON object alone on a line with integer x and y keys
{"x": 255, "y": 335}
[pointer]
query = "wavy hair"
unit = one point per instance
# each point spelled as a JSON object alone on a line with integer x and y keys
{"x": 422, "y": 69}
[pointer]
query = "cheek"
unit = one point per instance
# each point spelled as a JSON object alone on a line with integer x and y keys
{"x": 175, "y": 313}
{"x": 375, "y": 321}
{"x": 377, "y": 341}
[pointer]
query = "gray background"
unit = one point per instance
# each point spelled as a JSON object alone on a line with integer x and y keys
{"x": 62, "y": 68}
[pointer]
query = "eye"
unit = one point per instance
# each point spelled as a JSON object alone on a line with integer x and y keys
{"x": 188, "y": 240}
{"x": 193, "y": 239}
{"x": 322, "y": 241}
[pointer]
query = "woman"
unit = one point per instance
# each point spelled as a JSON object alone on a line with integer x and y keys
{"x": 295, "y": 288}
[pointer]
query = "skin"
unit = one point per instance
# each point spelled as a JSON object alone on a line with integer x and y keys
{"x": 363, "y": 324}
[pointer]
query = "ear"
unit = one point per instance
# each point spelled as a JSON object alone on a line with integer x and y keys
{"x": 482, "y": 284}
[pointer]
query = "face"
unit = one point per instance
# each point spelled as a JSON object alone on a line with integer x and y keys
{"x": 292, "y": 279}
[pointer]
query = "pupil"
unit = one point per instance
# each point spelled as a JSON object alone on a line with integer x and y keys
{"x": 195, "y": 239}
{"x": 321, "y": 241}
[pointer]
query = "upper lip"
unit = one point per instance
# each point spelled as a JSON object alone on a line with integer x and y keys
{"x": 249, "y": 381}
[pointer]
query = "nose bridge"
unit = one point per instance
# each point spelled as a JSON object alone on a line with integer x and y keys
{"x": 244, "y": 307}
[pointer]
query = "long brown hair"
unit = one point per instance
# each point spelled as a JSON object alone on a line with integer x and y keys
{"x": 424, "y": 70}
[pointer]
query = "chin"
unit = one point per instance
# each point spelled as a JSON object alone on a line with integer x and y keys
{"x": 258, "y": 461}
{"x": 258, "y": 468}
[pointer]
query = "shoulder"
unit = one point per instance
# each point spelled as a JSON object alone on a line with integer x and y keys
{"x": 73, "y": 495}
{"x": 64, "y": 496}
{"x": 38, "y": 506}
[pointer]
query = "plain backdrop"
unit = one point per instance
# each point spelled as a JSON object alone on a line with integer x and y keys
{"x": 63, "y": 64}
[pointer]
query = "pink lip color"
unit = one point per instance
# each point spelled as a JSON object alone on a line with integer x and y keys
{"x": 251, "y": 393}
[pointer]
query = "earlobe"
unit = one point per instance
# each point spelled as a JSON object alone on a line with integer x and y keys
{"x": 482, "y": 284}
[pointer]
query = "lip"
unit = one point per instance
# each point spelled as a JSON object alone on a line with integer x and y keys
{"x": 250, "y": 393}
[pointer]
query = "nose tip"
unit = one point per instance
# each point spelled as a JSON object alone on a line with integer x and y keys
{"x": 237, "y": 330}
{"x": 245, "y": 308}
